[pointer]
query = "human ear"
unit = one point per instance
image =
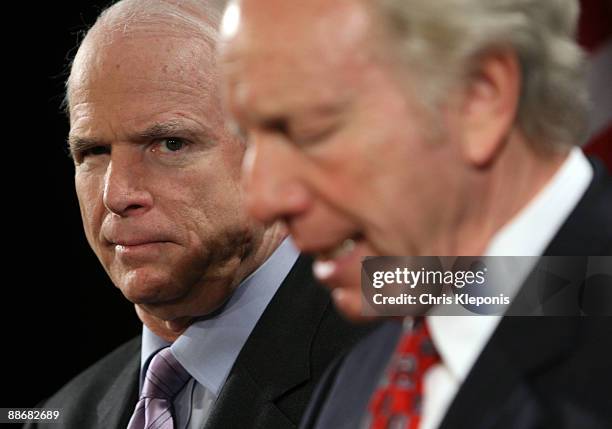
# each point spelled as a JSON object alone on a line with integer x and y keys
{"x": 489, "y": 106}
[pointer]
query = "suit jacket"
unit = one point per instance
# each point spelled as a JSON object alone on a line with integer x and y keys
{"x": 534, "y": 373}
{"x": 269, "y": 385}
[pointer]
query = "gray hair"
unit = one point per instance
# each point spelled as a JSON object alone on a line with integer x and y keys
{"x": 194, "y": 18}
{"x": 441, "y": 39}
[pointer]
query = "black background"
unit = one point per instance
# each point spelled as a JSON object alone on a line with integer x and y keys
{"x": 59, "y": 310}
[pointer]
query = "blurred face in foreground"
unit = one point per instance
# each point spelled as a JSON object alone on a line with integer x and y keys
{"x": 335, "y": 147}
{"x": 157, "y": 175}
{"x": 339, "y": 146}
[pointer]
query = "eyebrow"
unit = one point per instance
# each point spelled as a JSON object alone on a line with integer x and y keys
{"x": 201, "y": 134}
{"x": 157, "y": 131}
{"x": 82, "y": 144}
{"x": 161, "y": 130}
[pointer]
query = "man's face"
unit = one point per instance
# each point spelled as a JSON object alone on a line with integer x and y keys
{"x": 337, "y": 146}
{"x": 157, "y": 175}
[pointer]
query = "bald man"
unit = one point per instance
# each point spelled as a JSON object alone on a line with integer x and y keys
{"x": 235, "y": 333}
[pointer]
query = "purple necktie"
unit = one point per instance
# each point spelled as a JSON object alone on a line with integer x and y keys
{"x": 164, "y": 379}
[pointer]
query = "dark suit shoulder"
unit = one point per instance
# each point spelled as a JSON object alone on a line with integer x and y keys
{"x": 588, "y": 229}
{"x": 550, "y": 372}
{"x": 93, "y": 380}
{"x": 297, "y": 337}
{"x": 110, "y": 382}
{"x": 345, "y": 388}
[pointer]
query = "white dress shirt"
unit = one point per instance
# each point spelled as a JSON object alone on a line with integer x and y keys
{"x": 460, "y": 339}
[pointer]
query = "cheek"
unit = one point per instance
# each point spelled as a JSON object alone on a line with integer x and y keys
{"x": 89, "y": 193}
{"x": 366, "y": 175}
{"x": 344, "y": 172}
{"x": 232, "y": 156}
{"x": 208, "y": 197}
{"x": 221, "y": 202}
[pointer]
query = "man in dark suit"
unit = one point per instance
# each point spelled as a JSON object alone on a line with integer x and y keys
{"x": 229, "y": 302}
{"x": 534, "y": 372}
{"x": 429, "y": 128}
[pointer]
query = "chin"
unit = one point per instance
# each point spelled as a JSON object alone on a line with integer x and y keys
{"x": 143, "y": 286}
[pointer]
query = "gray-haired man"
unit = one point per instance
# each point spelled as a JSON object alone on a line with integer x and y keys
{"x": 429, "y": 127}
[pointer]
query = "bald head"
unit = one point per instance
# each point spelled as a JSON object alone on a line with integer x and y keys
{"x": 135, "y": 26}
{"x": 190, "y": 18}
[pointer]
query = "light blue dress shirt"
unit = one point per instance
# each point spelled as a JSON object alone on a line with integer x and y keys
{"x": 209, "y": 347}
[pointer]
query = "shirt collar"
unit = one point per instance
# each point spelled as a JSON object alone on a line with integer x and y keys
{"x": 209, "y": 348}
{"x": 460, "y": 339}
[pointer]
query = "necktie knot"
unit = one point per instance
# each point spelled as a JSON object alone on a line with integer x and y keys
{"x": 165, "y": 376}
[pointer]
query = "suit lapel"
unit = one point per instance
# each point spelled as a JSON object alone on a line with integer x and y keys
{"x": 341, "y": 403}
{"x": 500, "y": 390}
{"x": 276, "y": 357}
{"x": 243, "y": 400}
{"x": 523, "y": 348}
{"x": 117, "y": 405}
{"x": 588, "y": 230}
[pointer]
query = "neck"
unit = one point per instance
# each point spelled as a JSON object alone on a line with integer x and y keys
{"x": 496, "y": 194}
{"x": 169, "y": 330}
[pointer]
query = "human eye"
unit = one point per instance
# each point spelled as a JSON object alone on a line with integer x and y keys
{"x": 315, "y": 125}
{"x": 82, "y": 154}
{"x": 311, "y": 133}
{"x": 97, "y": 150}
{"x": 169, "y": 145}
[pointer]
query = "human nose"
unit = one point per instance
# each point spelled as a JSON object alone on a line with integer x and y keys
{"x": 272, "y": 182}
{"x": 125, "y": 193}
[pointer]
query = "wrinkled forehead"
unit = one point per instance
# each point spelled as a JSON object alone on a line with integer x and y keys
{"x": 124, "y": 62}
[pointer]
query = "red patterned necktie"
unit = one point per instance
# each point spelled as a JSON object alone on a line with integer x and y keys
{"x": 396, "y": 403}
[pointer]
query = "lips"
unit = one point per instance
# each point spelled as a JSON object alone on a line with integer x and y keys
{"x": 135, "y": 242}
{"x": 139, "y": 250}
{"x": 133, "y": 239}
